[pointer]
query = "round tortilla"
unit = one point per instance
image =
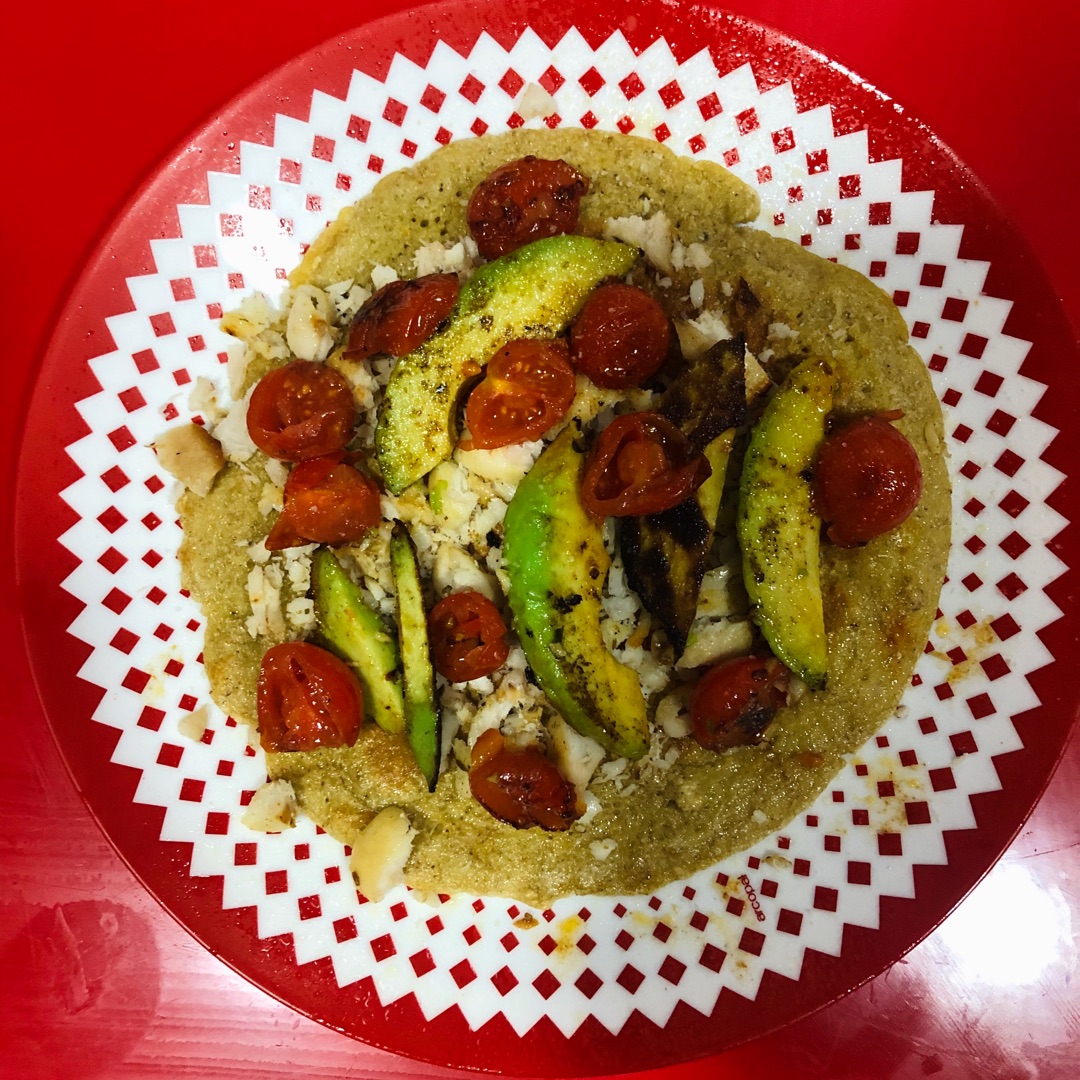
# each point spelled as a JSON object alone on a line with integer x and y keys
{"x": 879, "y": 599}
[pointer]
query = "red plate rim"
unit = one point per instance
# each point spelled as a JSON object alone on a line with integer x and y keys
{"x": 46, "y": 609}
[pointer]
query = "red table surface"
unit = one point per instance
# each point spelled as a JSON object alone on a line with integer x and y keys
{"x": 93, "y": 98}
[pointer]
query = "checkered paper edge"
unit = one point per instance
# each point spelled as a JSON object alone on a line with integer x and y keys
{"x": 604, "y": 957}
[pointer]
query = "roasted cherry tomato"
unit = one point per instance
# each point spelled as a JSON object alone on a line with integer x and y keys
{"x": 521, "y": 787}
{"x": 640, "y": 464}
{"x": 402, "y": 315}
{"x": 522, "y": 201}
{"x": 734, "y": 702}
{"x": 302, "y": 410}
{"x": 307, "y": 698}
{"x": 326, "y": 501}
{"x": 620, "y": 338}
{"x": 867, "y": 480}
{"x": 528, "y": 387}
{"x": 468, "y": 636}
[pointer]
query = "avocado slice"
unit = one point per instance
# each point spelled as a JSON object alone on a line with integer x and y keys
{"x": 665, "y": 554}
{"x": 779, "y": 533}
{"x": 532, "y": 292}
{"x": 361, "y": 638}
{"x": 423, "y": 725}
{"x": 554, "y": 555}
{"x": 711, "y": 494}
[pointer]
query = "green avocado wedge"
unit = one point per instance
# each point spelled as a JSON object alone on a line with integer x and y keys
{"x": 423, "y": 726}
{"x": 361, "y": 638}
{"x": 779, "y": 533}
{"x": 554, "y": 555}
{"x": 532, "y": 292}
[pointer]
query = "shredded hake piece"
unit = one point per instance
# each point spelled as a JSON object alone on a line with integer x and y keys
{"x": 535, "y": 103}
{"x": 436, "y": 258}
{"x": 254, "y": 315}
{"x": 721, "y": 627}
{"x": 264, "y": 595}
{"x": 673, "y": 714}
{"x": 380, "y": 853}
{"x": 577, "y": 755}
{"x": 309, "y": 331}
{"x": 232, "y": 431}
{"x": 193, "y": 724}
{"x": 652, "y": 234}
{"x": 272, "y": 808}
{"x": 191, "y": 455}
{"x": 601, "y": 849}
{"x": 271, "y": 575}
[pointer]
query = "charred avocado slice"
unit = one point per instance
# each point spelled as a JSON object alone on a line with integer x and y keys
{"x": 555, "y": 557}
{"x": 360, "y": 637}
{"x": 532, "y": 292}
{"x": 423, "y": 726}
{"x": 779, "y": 533}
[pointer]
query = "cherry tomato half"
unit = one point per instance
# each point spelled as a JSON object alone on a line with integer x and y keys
{"x": 302, "y": 410}
{"x": 468, "y": 636}
{"x": 641, "y": 464}
{"x": 402, "y": 315}
{"x": 521, "y": 787}
{"x": 528, "y": 387}
{"x": 734, "y": 702}
{"x": 326, "y": 501}
{"x": 620, "y": 338}
{"x": 522, "y": 201}
{"x": 867, "y": 480}
{"x": 307, "y": 698}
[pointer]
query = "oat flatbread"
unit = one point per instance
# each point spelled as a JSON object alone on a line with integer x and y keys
{"x": 879, "y": 600}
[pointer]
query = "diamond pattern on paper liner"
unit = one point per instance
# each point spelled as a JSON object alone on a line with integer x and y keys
{"x": 600, "y": 956}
